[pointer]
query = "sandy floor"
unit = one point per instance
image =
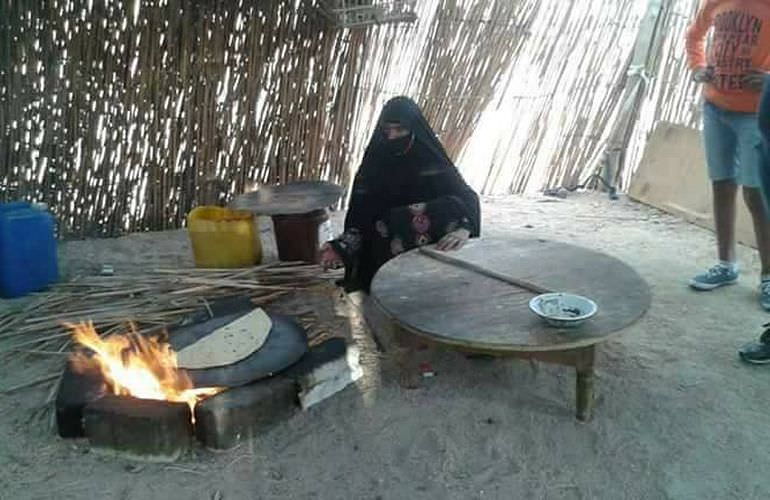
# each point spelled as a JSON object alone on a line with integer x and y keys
{"x": 678, "y": 416}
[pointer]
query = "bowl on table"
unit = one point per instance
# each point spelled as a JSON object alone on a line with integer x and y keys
{"x": 563, "y": 310}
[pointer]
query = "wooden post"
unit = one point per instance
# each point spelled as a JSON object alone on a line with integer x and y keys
{"x": 584, "y": 366}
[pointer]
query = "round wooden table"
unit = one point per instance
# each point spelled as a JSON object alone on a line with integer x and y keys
{"x": 477, "y": 300}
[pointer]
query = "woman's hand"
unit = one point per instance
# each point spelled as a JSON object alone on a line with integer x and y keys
{"x": 329, "y": 258}
{"x": 454, "y": 240}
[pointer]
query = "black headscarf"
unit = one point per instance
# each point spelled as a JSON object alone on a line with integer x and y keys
{"x": 404, "y": 171}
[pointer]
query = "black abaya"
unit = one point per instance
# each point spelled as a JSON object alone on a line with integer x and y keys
{"x": 407, "y": 193}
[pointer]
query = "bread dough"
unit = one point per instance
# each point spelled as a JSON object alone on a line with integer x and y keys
{"x": 228, "y": 344}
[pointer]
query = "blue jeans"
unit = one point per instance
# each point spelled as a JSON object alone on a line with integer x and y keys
{"x": 733, "y": 145}
{"x": 764, "y": 127}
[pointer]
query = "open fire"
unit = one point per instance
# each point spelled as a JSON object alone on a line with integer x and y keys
{"x": 134, "y": 365}
{"x": 126, "y": 393}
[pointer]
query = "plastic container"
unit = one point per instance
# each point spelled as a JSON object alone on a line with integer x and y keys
{"x": 223, "y": 238}
{"x": 297, "y": 236}
{"x": 28, "y": 259}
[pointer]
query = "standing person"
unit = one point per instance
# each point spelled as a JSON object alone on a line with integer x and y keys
{"x": 733, "y": 71}
{"x": 758, "y": 353}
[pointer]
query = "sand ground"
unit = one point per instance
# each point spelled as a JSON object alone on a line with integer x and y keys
{"x": 678, "y": 416}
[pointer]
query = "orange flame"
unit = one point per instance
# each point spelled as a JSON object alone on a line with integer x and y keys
{"x": 135, "y": 365}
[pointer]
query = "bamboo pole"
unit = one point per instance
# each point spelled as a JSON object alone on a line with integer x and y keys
{"x": 138, "y": 123}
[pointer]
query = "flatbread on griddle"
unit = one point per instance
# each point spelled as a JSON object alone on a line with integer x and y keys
{"x": 228, "y": 344}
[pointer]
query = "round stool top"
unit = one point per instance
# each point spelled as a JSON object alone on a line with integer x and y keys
{"x": 289, "y": 199}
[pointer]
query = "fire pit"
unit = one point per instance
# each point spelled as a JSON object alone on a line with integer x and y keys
{"x": 128, "y": 396}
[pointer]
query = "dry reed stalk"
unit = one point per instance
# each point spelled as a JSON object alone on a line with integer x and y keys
{"x": 152, "y": 299}
{"x": 135, "y": 128}
{"x": 132, "y": 130}
{"x": 31, "y": 383}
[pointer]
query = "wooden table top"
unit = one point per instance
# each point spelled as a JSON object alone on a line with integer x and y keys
{"x": 460, "y": 307}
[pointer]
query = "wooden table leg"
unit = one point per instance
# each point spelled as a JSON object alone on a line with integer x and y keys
{"x": 406, "y": 358}
{"x": 584, "y": 366}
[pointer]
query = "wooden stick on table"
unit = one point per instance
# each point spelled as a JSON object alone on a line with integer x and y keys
{"x": 448, "y": 259}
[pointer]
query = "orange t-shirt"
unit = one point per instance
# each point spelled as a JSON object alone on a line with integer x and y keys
{"x": 741, "y": 42}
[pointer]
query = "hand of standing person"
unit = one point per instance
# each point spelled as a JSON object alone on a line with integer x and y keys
{"x": 755, "y": 79}
{"x": 454, "y": 240}
{"x": 703, "y": 74}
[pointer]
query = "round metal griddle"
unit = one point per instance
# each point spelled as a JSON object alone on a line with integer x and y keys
{"x": 289, "y": 199}
{"x": 285, "y": 345}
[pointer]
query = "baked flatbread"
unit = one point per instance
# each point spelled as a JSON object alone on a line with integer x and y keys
{"x": 228, "y": 344}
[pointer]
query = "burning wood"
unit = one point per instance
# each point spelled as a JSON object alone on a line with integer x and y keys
{"x": 128, "y": 396}
{"x": 134, "y": 365}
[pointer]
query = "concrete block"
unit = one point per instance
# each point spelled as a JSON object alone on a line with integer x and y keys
{"x": 325, "y": 370}
{"x": 76, "y": 390}
{"x": 139, "y": 429}
{"x": 236, "y": 415}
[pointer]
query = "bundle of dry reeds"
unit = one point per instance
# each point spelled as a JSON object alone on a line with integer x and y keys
{"x": 146, "y": 302}
{"x": 151, "y": 300}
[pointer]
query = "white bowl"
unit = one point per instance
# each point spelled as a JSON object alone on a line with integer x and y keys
{"x": 563, "y": 310}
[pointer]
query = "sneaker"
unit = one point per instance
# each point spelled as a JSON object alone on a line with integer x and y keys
{"x": 765, "y": 337}
{"x": 719, "y": 275}
{"x": 757, "y": 353}
{"x": 764, "y": 295}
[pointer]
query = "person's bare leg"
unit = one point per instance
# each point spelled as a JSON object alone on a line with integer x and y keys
{"x": 726, "y": 271}
{"x": 724, "y": 218}
{"x": 753, "y": 199}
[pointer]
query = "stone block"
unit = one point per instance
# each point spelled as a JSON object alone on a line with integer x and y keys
{"x": 76, "y": 390}
{"x": 139, "y": 429}
{"x": 325, "y": 370}
{"x": 227, "y": 419}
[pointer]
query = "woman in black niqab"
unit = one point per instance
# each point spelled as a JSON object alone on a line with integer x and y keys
{"x": 406, "y": 193}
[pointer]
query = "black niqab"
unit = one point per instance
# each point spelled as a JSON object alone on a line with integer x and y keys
{"x": 391, "y": 177}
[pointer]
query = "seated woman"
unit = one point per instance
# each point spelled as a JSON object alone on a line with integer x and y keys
{"x": 407, "y": 193}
